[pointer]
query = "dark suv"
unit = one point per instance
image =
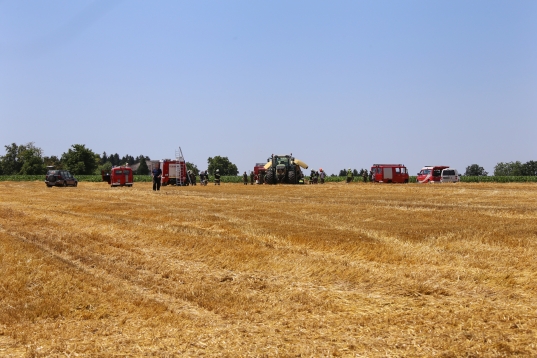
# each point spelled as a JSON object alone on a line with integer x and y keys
{"x": 60, "y": 178}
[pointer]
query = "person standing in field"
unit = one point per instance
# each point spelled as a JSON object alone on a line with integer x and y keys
{"x": 156, "y": 173}
{"x": 245, "y": 178}
{"x": 252, "y": 177}
{"x": 217, "y": 177}
{"x": 350, "y": 176}
{"x": 192, "y": 178}
{"x": 322, "y": 175}
{"x": 364, "y": 175}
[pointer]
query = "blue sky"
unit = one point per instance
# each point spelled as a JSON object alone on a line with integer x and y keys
{"x": 339, "y": 84}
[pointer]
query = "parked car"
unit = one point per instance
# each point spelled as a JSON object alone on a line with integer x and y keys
{"x": 431, "y": 174}
{"x": 60, "y": 178}
{"x": 450, "y": 175}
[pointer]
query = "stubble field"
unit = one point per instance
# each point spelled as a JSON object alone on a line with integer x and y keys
{"x": 315, "y": 270}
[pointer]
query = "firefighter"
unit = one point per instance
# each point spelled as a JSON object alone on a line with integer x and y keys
{"x": 364, "y": 175}
{"x": 217, "y": 177}
{"x": 350, "y": 176}
{"x": 252, "y": 178}
{"x": 192, "y": 178}
{"x": 312, "y": 176}
{"x": 245, "y": 178}
{"x": 371, "y": 175}
{"x": 157, "y": 175}
{"x": 322, "y": 175}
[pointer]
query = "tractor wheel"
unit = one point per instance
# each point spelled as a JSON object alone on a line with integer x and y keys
{"x": 292, "y": 177}
{"x": 269, "y": 177}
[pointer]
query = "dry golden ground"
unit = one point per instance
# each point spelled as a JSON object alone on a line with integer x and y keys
{"x": 324, "y": 270}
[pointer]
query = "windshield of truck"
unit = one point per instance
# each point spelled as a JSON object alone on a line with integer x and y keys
{"x": 425, "y": 172}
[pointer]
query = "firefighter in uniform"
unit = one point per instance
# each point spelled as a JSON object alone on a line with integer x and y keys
{"x": 157, "y": 175}
{"x": 252, "y": 177}
{"x": 245, "y": 178}
{"x": 322, "y": 175}
{"x": 192, "y": 178}
{"x": 364, "y": 175}
{"x": 350, "y": 176}
{"x": 371, "y": 175}
{"x": 217, "y": 177}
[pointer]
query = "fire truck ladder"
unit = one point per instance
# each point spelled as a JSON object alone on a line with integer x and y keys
{"x": 179, "y": 169}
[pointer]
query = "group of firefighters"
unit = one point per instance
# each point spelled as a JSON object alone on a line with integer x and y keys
{"x": 315, "y": 177}
{"x": 156, "y": 174}
{"x": 365, "y": 176}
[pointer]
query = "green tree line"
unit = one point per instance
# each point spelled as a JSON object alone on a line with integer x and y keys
{"x": 27, "y": 160}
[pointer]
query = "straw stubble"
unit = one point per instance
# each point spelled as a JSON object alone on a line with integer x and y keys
{"x": 315, "y": 270}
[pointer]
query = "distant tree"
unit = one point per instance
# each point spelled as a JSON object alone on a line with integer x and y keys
{"x": 106, "y": 167}
{"x": 114, "y": 159}
{"x": 22, "y": 159}
{"x": 80, "y": 160}
{"x": 508, "y": 169}
{"x": 355, "y": 172}
{"x": 193, "y": 167}
{"x": 53, "y": 161}
{"x": 342, "y": 173}
{"x": 127, "y": 160}
{"x": 11, "y": 162}
{"x": 222, "y": 163}
{"x": 104, "y": 158}
{"x": 143, "y": 169}
{"x": 529, "y": 168}
{"x": 32, "y": 161}
{"x": 139, "y": 158}
{"x": 475, "y": 171}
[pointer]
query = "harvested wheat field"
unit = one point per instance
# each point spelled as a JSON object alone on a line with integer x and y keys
{"x": 316, "y": 270}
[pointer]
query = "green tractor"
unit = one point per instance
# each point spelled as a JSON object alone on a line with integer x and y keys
{"x": 284, "y": 169}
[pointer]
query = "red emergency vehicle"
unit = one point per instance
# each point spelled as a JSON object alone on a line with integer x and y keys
{"x": 259, "y": 172}
{"x": 118, "y": 176}
{"x": 174, "y": 172}
{"x": 389, "y": 173}
{"x": 431, "y": 173}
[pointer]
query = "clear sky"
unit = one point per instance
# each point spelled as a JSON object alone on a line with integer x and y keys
{"x": 337, "y": 83}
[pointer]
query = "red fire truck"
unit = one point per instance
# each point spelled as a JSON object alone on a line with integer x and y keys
{"x": 174, "y": 172}
{"x": 118, "y": 176}
{"x": 259, "y": 172}
{"x": 389, "y": 173}
{"x": 431, "y": 173}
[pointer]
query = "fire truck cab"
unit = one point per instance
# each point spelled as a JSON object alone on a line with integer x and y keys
{"x": 389, "y": 173}
{"x": 431, "y": 174}
{"x": 118, "y": 176}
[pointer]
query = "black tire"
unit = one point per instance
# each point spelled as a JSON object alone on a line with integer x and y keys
{"x": 49, "y": 186}
{"x": 76, "y": 184}
{"x": 269, "y": 177}
{"x": 292, "y": 177}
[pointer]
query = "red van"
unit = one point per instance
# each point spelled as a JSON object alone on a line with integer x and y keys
{"x": 431, "y": 173}
{"x": 118, "y": 176}
{"x": 389, "y": 173}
